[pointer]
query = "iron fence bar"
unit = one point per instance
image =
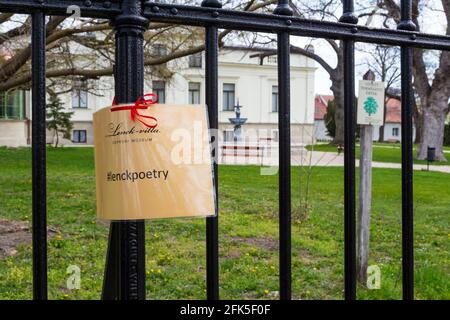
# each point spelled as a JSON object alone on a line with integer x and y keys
{"x": 259, "y": 22}
{"x": 211, "y": 98}
{"x": 237, "y": 20}
{"x": 38, "y": 146}
{"x": 130, "y": 25}
{"x": 92, "y": 8}
{"x": 284, "y": 129}
{"x": 349, "y": 158}
{"x": 406, "y": 23}
{"x": 111, "y": 275}
{"x": 129, "y": 236}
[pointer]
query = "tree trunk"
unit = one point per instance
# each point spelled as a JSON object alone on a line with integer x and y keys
{"x": 381, "y": 134}
{"x": 418, "y": 123}
{"x": 339, "y": 120}
{"x": 433, "y": 128}
{"x": 57, "y": 139}
{"x": 337, "y": 88}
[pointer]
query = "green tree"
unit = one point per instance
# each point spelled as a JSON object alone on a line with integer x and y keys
{"x": 370, "y": 106}
{"x": 58, "y": 120}
{"x": 329, "y": 119}
{"x": 447, "y": 135}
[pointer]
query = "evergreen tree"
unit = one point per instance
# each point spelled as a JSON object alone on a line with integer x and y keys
{"x": 58, "y": 120}
{"x": 330, "y": 122}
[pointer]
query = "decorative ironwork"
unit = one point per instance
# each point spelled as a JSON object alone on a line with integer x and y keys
{"x": 125, "y": 269}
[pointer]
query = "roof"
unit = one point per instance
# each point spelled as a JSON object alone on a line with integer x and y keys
{"x": 393, "y": 108}
{"x": 321, "y": 105}
{"x": 393, "y": 111}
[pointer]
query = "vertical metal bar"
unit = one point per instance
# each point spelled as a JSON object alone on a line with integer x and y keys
{"x": 284, "y": 129}
{"x": 407, "y": 176}
{"x": 111, "y": 275}
{"x": 39, "y": 158}
{"x": 407, "y": 160}
{"x": 349, "y": 172}
{"x": 212, "y": 223}
{"x": 349, "y": 158}
{"x": 129, "y": 236}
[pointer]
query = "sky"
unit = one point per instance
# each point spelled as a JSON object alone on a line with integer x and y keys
{"x": 432, "y": 21}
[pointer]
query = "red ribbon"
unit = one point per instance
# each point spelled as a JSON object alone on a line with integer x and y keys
{"x": 141, "y": 103}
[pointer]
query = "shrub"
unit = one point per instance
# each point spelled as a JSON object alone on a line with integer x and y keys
{"x": 447, "y": 135}
{"x": 330, "y": 122}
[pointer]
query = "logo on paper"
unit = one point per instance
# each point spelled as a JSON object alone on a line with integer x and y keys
{"x": 370, "y": 106}
{"x": 118, "y": 129}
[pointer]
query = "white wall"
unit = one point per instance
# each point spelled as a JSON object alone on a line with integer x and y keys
{"x": 13, "y": 133}
{"x": 253, "y": 88}
{"x": 388, "y": 128}
{"x": 388, "y": 132}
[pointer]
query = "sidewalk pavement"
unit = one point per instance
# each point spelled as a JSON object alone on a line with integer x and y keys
{"x": 317, "y": 159}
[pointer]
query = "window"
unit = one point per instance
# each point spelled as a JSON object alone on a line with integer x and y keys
{"x": 79, "y": 94}
{"x": 79, "y": 136}
{"x": 228, "y": 135}
{"x": 159, "y": 50}
{"x": 395, "y": 132}
{"x": 159, "y": 88}
{"x": 228, "y": 96}
{"x": 194, "y": 92}
{"x": 274, "y": 99}
{"x": 195, "y": 60}
{"x": 12, "y": 105}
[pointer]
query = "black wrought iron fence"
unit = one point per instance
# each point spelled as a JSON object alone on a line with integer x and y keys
{"x": 125, "y": 267}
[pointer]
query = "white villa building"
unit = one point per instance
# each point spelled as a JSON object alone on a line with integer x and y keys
{"x": 247, "y": 76}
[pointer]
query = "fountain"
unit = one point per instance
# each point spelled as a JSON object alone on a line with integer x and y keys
{"x": 237, "y": 122}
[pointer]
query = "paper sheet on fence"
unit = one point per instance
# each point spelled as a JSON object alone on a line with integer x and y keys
{"x": 155, "y": 166}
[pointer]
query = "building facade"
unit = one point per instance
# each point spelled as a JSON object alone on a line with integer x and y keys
{"x": 247, "y": 76}
{"x": 392, "y": 129}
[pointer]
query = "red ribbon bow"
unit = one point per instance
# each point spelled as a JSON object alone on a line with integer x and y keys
{"x": 141, "y": 103}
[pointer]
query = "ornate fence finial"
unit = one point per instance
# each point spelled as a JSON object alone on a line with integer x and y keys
{"x": 406, "y": 22}
{"x": 283, "y": 8}
{"x": 131, "y": 18}
{"x": 211, "y": 4}
{"x": 348, "y": 16}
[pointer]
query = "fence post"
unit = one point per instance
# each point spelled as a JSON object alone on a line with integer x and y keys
{"x": 364, "y": 196}
{"x": 284, "y": 129}
{"x": 39, "y": 158}
{"x": 349, "y": 157}
{"x": 212, "y": 223}
{"x": 406, "y": 23}
{"x": 126, "y": 261}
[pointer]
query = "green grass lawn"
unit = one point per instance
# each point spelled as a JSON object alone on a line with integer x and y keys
{"x": 248, "y": 234}
{"x": 382, "y": 152}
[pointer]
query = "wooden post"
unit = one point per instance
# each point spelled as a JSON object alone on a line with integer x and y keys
{"x": 364, "y": 201}
{"x": 364, "y": 197}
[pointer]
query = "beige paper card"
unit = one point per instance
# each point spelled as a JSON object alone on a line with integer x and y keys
{"x": 153, "y": 163}
{"x": 371, "y": 103}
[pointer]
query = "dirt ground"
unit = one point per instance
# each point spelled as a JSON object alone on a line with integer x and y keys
{"x": 14, "y": 234}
